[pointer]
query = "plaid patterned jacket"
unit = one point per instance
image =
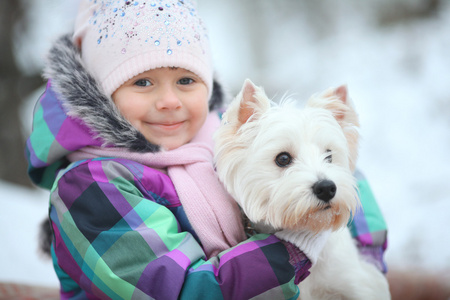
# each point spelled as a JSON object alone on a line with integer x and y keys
{"x": 120, "y": 232}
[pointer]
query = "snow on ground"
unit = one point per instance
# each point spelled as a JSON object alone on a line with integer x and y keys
{"x": 22, "y": 211}
{"x": 398, "y": 77}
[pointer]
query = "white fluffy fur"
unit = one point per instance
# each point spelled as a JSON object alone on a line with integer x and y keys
{"x": 341, "y": 274}
{"x": 253, "y": 133}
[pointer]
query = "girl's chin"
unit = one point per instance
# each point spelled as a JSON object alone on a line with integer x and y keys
{"x": 169, "y": 143}
{"x": 172, "y": 145}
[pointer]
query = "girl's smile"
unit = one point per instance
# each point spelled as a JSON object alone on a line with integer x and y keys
{"x": 167, "y": 126}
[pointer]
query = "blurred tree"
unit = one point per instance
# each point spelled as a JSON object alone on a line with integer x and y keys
{"x": 14, "y": 87}
{"x": 401, "y": 11}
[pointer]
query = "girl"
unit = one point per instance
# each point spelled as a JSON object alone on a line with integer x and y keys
{"x": 122, "y": 137}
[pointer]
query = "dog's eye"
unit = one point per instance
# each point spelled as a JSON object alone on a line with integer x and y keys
{"x": 283, "y": 159}
{"x": 329, "y": 158}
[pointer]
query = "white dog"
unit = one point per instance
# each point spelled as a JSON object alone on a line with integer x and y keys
{"x": 290, "y": 170}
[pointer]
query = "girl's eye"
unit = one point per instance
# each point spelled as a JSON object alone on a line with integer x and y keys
{"x": 185, "y": 81}
{"x": 143, "y": 82}
{"x": 283, "y": 159}
{"x": 329, "y": 158}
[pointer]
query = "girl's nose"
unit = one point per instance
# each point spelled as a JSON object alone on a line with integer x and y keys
{"x": 168, "y": 99}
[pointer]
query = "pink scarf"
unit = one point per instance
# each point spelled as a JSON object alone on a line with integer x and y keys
{"x": 212, "y": 212}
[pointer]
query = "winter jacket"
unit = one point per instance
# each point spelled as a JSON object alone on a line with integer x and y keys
{"x": 119, "y": 229}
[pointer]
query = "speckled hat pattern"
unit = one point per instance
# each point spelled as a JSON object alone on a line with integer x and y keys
{"x": 121, "y": 39}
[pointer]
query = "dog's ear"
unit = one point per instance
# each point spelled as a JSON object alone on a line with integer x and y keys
{"x": 337, "y": 101}
{"x": 247, "y": 101}
{"x": 340, "y": 93}
{"x": 252, "y": 102}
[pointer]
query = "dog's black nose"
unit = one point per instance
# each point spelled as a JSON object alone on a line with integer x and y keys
{"x": 325, "y": 190}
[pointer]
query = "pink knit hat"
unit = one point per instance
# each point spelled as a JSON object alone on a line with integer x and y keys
{"x": 121, "y": 39}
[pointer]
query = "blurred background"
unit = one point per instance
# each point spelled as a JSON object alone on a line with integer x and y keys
{"x": 394, "y": 56}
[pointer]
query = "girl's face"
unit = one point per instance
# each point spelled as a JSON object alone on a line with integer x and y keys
{"x": 167, "y": 105}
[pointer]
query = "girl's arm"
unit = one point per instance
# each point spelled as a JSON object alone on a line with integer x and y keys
{"x": 369, "y": 227}
{"x": 114, "y": 238}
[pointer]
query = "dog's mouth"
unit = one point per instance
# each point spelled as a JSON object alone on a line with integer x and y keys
{"x": 327, "y": 207}
{"x": 324, "y": 206}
